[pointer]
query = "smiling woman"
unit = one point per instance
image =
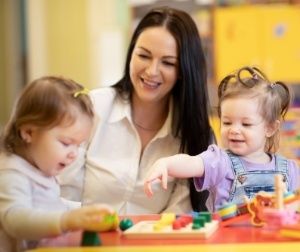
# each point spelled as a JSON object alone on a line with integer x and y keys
{"x": 153, "y": 71}
{"x": 159, "y": 107}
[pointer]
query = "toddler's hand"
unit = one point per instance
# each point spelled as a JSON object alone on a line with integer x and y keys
{"x": 97, "y": 217}
{"x": 159, "y": 170}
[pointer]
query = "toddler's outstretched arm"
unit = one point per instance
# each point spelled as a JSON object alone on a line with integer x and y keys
{"x": 178, "y": 166}
{"x": 90, "y": 218}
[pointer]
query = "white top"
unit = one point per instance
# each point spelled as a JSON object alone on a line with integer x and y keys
{"x": 30, "y": 205}
{"x": 114, "y": 168}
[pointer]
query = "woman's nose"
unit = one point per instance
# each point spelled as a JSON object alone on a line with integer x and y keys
{"x": 152, "y": 68}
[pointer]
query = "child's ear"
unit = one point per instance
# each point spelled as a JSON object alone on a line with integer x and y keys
{"x": 272, "y": 128}
{"x": 26, "y": 132}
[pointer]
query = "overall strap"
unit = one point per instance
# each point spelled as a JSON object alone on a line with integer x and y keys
{"x": 238, "y": 170}
{"x": 237, "y": 165}
{"x": 281, "y": 165}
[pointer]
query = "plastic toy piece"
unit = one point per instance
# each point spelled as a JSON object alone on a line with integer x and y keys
{"x": 165, "y": 220}
{"x": 236, "y": 220}
{"x": 276, "y": 218}
{"x": 107, "y": 223}
{"x": 255, "y": 206}
{"x": 198, "y": 222}
{"x": 289, "y": 197}
{"x": 183, "y": 228}
{"x": 227, "y": 211}
{"x": 125, "y": 224}
{"x": 182, "y": 221}
{"x": 292, "y": 231}
{"x": 90, "y": 239}
{"x": 273, "y": 210}
{"x": 207, "y": 216}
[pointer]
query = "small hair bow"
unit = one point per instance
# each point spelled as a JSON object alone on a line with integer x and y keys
{"x": 83, "y": 91}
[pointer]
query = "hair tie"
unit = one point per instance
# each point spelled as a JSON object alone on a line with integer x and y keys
{"x": 83, "y": 91}
{"x": 255, "y": 76}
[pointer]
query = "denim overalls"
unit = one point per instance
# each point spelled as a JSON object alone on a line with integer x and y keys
{"x": 251, "y": 182}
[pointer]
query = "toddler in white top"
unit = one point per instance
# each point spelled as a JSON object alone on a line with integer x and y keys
{"x": 52, "y": 118}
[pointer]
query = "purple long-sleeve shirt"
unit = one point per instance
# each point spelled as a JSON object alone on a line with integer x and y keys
{"x": 218, "y": 175}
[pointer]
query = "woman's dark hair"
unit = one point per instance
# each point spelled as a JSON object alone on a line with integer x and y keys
{"x": 190, "y": 90}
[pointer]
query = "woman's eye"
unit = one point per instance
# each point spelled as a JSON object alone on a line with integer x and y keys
{"x": 167, "y": 63}
{"x": 143, "y": 56}
{"x": 247, "y": 124}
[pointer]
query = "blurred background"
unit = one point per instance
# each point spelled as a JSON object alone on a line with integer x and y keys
{"x": 86, "y": 40}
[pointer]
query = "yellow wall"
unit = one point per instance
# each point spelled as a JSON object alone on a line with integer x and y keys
{"x": 57, "y": 39}
{"x": 266, "y": 36}
{"x": 80, "y": 39}
{"x": 67, "y": 39}
{"x": 3, "y": 102}
{"x": 11, "y": 64}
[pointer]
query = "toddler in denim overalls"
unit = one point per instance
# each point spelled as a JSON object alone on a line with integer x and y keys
{"x": 251, "y": 109}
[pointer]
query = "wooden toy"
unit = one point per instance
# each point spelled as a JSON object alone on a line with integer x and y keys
{"x": 233, "y": 214}
{"x": 227, "y": 211}
{"x": 166, "y": 219}
{"x": 273, "y": 213}
{"x": 125, "y": 224}
{"x": 292, "y": 231}
{"x": 272, "y": 209}
{"x": 182, "y": 227}
{"x": 275, "y": 209}
{"x": 108, "y": 223}
{"x": 279, "y": 192}
{"x": 257, "y": 204}
{"x": 90, "y": 238}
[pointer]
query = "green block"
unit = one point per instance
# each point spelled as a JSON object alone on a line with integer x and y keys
{"x": 206, "y": 215}
{"x": 196, "y": 226}
{"x": 90, "y": 238}
{"x": 199, "y": 221}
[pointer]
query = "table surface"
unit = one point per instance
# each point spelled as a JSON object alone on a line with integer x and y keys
{"x": 241, "y": 237}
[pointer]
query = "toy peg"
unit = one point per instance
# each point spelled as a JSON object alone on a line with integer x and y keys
{"x": 279, "y": 191}
{"x": 90, "y": 239}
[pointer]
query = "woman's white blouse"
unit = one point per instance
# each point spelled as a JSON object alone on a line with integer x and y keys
{"x": 112, "y": 169}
